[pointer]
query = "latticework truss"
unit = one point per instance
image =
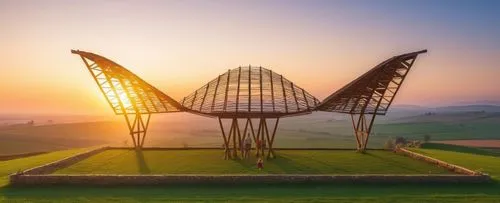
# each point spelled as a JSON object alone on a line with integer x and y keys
{"x": 250, "y": 92}
{"x": 128, "y": 94}
{"x": 371, "y": 93}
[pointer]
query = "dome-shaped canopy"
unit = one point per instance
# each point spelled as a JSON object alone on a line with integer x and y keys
{"x": 250, "y": 92}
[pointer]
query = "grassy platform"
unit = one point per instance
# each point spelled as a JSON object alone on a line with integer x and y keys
{"x": 119, "y": 161}
{"x": 15, "y": 165}
{"x": 279, "y": 193}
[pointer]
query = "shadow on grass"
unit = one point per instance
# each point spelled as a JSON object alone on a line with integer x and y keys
{"x": 288, "y": 165}
{"x": 143, "y": 166}
{"x": 462, "y": 149}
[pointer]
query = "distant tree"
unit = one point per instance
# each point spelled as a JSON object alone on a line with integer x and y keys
{"x": 400, "y": 141}
{"x": 427, "y": 138}
{"x": 389, "y": 144}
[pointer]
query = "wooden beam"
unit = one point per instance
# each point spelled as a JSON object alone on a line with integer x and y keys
{"x": 227, "y": 89}
{"x": 271, "y": 143}
{"x": 284, "y": 93}
{"x": 226, "y": 144}
{"x": 194, "y": 98}
{"x": 238, "y": 89}
{"x": 215, "y": 93}
{"x": 260, "y": 80}
{"x": 305, "y": 99}
{"x": 204, "y": 96}
{"x": 272, "y": 88}
{"x": 249, "y": 88}
{"x": 295, "y": 96}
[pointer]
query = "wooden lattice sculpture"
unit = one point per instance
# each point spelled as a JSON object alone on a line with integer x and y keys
{"x": 250, "y": 93}
{"x": 127, "y": 94}
{"x": 370, "y": 94}
{"x": 246, "y": 93}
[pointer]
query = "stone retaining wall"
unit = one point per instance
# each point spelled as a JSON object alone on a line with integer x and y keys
{"x": 118, "y": 180}
{"x": 451, "y": 167}
{"x": 54, "y": 166}
{"x": 220, "y": 148}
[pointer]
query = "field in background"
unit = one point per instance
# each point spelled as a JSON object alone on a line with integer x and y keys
{"x": 316, "y": 130}
{"x": 211, "y": 162}
{"x": 473, "y": 143}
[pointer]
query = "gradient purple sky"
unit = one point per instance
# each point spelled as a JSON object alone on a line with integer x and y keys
{"x": 180, "y": 45}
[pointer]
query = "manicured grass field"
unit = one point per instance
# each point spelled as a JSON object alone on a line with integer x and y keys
{"x": 119, "y": 161}
{"x": 15, "y": 165}
{"x": 372, "y": 193}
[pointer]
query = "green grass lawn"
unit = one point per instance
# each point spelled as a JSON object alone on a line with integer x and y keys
{"x": 261, "y": 193}
{"x": 489, "y": 192}
{"x": 15, "y": 165}
{"x": 119, "y": 161}
{"x": 485, "y": 163}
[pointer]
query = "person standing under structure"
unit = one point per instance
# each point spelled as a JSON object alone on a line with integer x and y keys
{"x": 248, "y": 146}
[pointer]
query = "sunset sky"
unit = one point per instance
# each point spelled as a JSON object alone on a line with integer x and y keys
{"x": 178, "y": 46}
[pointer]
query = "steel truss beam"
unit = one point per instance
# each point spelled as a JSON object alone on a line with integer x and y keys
{"x": 262, "y": 138}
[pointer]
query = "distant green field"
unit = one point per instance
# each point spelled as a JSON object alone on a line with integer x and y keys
{"x": 485, "y": 163}
{"x": 316, "y": 130}
{"x": 211, "y": 162}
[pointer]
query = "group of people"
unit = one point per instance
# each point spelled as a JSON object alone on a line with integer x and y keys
{"x": 247, "y": 143}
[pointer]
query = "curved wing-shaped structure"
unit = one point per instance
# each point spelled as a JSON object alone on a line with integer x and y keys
{"x": 374, "y": 91}
{"x": 250, "y": 92}
{"x": 125, "y": 92}
{"x": 371, "y": 93}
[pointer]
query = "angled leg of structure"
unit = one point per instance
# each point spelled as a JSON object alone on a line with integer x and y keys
{"x": 226, "y": 141}
{"x": 270, "y": 152}
{"x": 362, "y": 129}
{"x": 238, "y": 144}
{"x": 243, "y": 137}
{"x": 138, "y": 129}
{"x": 230, "y": 135}
{"x": 258, "y": 143}
{"x": 235, "y": 135}
{"x": 262, "y": 137}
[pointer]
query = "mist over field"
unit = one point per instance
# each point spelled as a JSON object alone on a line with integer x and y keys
{"x": 319, "y": 129}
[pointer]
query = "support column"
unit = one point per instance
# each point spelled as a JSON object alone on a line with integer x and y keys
{"x": 234, "y": 141}
{"x": 266, "y": 138}
{"x": 270, "y": 151}
{"x": 138, "y": 128}
{"x": 362, "y": 129}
